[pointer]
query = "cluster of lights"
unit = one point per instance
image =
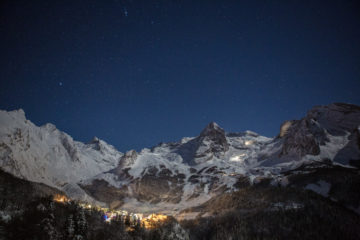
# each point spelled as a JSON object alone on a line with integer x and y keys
{"x": 110, "y": 215}
{"x": 153, "y": 220}
{"x": 60, "y": 198}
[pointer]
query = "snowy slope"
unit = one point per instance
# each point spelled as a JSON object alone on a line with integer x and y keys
{"x": 45, "y": 154}
{"x": 174, "y": 176}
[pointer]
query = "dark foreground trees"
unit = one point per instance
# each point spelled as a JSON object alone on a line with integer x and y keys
{"x": 44, "y": 219}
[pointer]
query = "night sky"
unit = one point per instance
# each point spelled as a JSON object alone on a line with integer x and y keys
{"x": 136, "y": 73}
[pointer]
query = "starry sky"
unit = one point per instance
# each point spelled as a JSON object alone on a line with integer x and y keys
{"x": 136, "y": 73}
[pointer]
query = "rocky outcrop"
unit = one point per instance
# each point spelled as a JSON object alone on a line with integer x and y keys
{"x": 102, "y": 191}
{"x": 300, "y": 140}
{"x": 305, "y": 136}
{"x": 284, "y": 128}
{"x": 159, "y": 187}
{"x": 128, "y": 159}
{"x": 350, "y": 154}
{"x": 70, "y": 147}
{"x": 337, "y": 118}
{"x": 212, "y": 141}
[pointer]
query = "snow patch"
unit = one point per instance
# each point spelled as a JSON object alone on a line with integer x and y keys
{"x": 331, "y": 148}
{"x": 321, "y": 187}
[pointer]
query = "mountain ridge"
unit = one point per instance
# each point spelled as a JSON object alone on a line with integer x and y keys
{"x": 171, "y": 177}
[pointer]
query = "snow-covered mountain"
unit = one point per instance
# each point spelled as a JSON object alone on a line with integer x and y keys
{"x": 45, "y": 154}
{"x": 173, "y": 176}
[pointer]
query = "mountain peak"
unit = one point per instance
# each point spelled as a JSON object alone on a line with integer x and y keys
{"x": 212, "y": 141}
{"x": 95, "y": 140}
{"x": 15, "y": 114}
{"x": 20, "y": 111}
{"x": 211, "y": 127}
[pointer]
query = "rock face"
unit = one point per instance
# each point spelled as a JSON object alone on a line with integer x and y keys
{"x": 300, "y": 139}
{"x": 159, "y": 185}
{"x": 128, "y": 159}
{"x": 174, "y": 176}
{"x": 306, "y": 136}
{"x": 212, "y": 142}
{"x": 337, "y": 118}
{"x": 284, "y": 128}
{"x": 350, "y": 154}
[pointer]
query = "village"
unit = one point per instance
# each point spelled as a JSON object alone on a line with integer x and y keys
{"x": 149, "y": 222}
